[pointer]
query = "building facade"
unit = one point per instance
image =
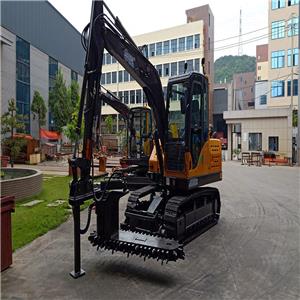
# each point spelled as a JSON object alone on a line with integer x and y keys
{"x": 36, "y": 41}
{"x": 283, "y": 51}
{"x": 169, "y": 50}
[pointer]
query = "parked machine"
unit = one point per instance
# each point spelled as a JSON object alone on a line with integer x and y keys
{"x": 160, "y": 218}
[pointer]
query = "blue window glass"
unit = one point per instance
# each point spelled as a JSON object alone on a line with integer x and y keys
{"x": 293, "y": 26}
{"x": 196, "y": 41}
{"x": 113, "y": 77}
{"x": 138, "y": 96}
{"x": 174, "y": 69}
{"x": 120, "y": 96}
{"x": 152, "y": 49}
{"x": 278, "y": 4}
{"x": 108, "y": 59}
{"x": 278, "y": 30}
{"x": 126, "y": 97}
{"x": 120, "y": 76}
{"x": 74, "y": 76}
{"x": 174, "y": 47}
{"x": 181, "y": 67}
{"x": 166, "y": 71}
{"x": 263, "y": 99}
{"x": 277, "y": 88}
{"x": 182, "y": 44}
{"x": 277, "y": 59}
{"x": 126, "y": 76}
{"x": 159, "y": 70}
{"x": 190, "y": 66}
{"x": 108, "y": 78}
{"x": 132, "y": 97}
{"x": 159, "y": 48}
{"x": 103, "y": 78}
{"x": 293, "y": 2}
{"x": 166, "y": 47}
{"x": 197, "y": 65}
{"x": 23, "y": 82}
{"x": 295, "y": 57}
{"x": 113, "y": 60}
{"x": 189, "y": 42}
{"x": 295, "y": 87}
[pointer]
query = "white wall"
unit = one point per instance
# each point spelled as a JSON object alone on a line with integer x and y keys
{"x": 8, "y": 68}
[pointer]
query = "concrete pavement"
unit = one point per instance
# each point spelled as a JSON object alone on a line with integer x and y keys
{"x": 253, "y": 253}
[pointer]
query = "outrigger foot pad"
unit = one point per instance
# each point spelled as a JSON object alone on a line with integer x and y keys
{"x": 77, "y": 274}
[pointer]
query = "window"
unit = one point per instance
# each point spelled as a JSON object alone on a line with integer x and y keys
{"x": 103, "y": 79}
{"x": 189, "y": 65}
{"x": 278, "y": 29}
{"x": 159, "y": 70}
{"x": 197, "y": 64}
{"x": 293, "y": 2}
{"x": 295, "y": 57}
{"x": 273, "y": 143}
{"x": 258, "y": 77}
{"x": 182, "y": 44}
{"x": 74, "y": 76}
{"x": 132, "y": 97}
{"x": 263, "y": 100}
{"x": 23, "y": 81}
{"x": 278, "y": 4}
{"x": 209, "y": 43}
{"x": 259, "y": 68}
{"x": 174, "y": 69}
{"x": 152, "y": 49}
{"x": 108, "y": 78}
{"x": 293, "y": 26}
{"x": 166, "y": 69}
{"x": 255, "y": 141}
{"x": 126, "y": 76}
{"x": 196, "y": 41}
{"x": 138, "y": 96}
{"x": 166, "y": 47}
{"x": 120, "y": 96}
{"x": 277, "y": 59}
{"x": 113, "y": 60}
{"x": 209, "y": 19}
{"x": 189, "y": 42}
{"x": 277, "y": 88}
{"x": 174, "y": 45}
{"x": 120, "y": 75}
{"x": 113, "y": 77}
{"x": 126, "y": 97}
{"x": 295, "y": 87}
{"x": 108, "y": 59}
{"x": 181, "y": 67}
{"x": 144, "y": 50}
{"x": 159, "y": 48}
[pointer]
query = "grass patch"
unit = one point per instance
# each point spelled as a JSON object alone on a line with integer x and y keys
{"x": 29, "y": 223}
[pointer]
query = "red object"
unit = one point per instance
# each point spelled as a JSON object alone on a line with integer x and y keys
{"x": 7, "y": 206}
{"x": 50, "y": 135}
{"x": 4, "y": 161}
{"x": 23, "y": 136}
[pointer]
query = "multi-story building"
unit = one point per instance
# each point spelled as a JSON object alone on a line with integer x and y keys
{"x": 169, "y": 50}
{"x": 283, "y": 53}
{"x": 36, "y": 41}
{"x": 261, "y": 83}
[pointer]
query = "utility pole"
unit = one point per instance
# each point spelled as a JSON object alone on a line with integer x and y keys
{"x": 240, "y": 50}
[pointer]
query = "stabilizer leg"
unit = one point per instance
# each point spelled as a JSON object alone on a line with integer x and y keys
{"x": 77, "y": 272}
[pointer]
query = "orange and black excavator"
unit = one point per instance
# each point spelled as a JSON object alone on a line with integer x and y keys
{"x": 161, "y": 217}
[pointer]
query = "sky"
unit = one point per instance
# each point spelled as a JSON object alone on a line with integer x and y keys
{"x": 140, "y": 16}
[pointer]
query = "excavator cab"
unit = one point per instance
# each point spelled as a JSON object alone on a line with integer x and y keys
{"x": 187, "y": 139}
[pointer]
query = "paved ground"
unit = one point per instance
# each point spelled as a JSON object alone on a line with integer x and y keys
{"x": 253, "y": 253}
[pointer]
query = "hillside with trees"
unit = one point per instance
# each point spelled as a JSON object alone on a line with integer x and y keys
{"x": 228, "y": 65}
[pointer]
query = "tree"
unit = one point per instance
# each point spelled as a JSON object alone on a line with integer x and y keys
{"x": 226, "y": 66}
{"x": 109, "y": 123}
{"x": 39, "y": 110}
{"x": 10, "y": 123}
{"x": 74, "y": 93}
{"x": 60, "y": 102}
